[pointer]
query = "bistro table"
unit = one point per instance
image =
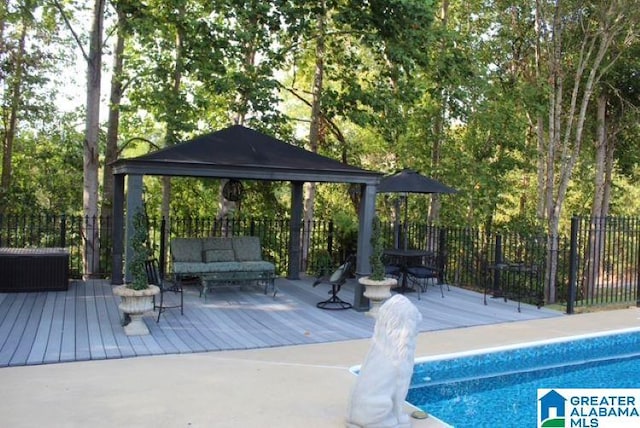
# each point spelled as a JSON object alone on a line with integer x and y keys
{"x": 404, "y": 259}
{"x": 521, "y": 270}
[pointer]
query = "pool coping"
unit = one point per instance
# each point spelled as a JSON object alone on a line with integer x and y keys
{"x": 510, "y": 347}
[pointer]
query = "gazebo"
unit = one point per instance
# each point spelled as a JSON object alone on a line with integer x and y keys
{"x": 240, "y": 153}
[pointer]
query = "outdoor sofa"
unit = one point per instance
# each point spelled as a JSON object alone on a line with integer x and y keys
{"x": 222, "y": 261}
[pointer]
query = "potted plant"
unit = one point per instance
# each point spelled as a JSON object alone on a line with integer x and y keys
{"x": 377, "y": 285}
{"x": 136, "y": 297}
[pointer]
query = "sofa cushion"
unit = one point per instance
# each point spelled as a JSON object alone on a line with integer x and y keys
{"x": 217, "y": 244}
{"x": 189, "y": 267}
{"x": 222, "y": 267}
{"x": 218, "y": 255}
{"x": 186, "y": 250}
{"x": 247, "y": 248}
{"x": 259, "y": 267}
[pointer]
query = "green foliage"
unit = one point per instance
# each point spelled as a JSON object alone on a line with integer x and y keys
{"x": 346, "y": 233}
{"x": 141, "y": 252}
{"x": 322, "y": 264}
{"x": 46, "y": 171}
{"x": 456, "y": 98}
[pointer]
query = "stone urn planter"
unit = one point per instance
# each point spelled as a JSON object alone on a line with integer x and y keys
{"x": 136, "y": 297}
{"x": 135, "y": 303}
{"x": 377, "y": 287}
{"x": 377, "y": 291}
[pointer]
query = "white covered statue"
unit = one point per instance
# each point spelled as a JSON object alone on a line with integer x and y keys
{"x": 377, "y": 399}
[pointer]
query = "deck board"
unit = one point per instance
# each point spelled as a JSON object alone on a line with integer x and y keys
{"x": 213, "y": 323}
{"x": 28, "y": 344}
{"x": 96, "y": 334}
{"x": 8, "y": 313}
{"x": 68, "y": 348}
{"x": 82, "y": 347}
{"x": 56, "y": 320}
{"x": 106, "y": 328}
{"x": 167, "y": 340}
{"x": 15, "y": 323}
{"x": 84, "y": 322}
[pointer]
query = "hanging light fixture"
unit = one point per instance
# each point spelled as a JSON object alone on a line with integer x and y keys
{"x": 233, "y": 190}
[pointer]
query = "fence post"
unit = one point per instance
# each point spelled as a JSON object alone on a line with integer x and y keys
{"x": 638, "y": 277}
{"x": 573, "y": 264}
{"x": 442, "y": 254}
{"x": 63, "y": 230}
{"x": 163, "y": 247}
{"x": 330, "y": 238}
{"x": 498, "y": 262}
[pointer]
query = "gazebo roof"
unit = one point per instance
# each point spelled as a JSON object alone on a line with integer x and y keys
{"x": 240, "y": 152}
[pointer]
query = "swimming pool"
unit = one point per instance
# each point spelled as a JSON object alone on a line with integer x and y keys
{"x": 497, "y": 387}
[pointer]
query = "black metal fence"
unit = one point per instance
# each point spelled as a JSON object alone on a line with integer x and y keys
{"x": 604, "y": 260}
{"x": 598, "y": 263}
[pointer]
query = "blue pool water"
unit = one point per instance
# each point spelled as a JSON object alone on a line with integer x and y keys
{"x": 498, "y": 387}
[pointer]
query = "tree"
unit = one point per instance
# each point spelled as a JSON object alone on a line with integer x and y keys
{"x": 316, "y": 125}
{"x": 27, "y": 62}
{"x": 15, "y": 91}
{"x": 91, "y": 151}
{"x": 91, "y": 256}
{"x": 115, "y": 98}
{"x": 577, "y": 42}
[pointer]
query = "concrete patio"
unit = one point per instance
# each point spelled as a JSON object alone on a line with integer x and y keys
{"x": 285, "y": 387}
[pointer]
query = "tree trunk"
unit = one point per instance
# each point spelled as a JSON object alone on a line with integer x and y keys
{"x": 170, "y": 135}
{"x": 316, "y": 134}
{"x": 91, "y": 254}
{"x": 601, "y": 157}
{"x": 597, "y": 232}
{"x": 9, "y": 137}
{"x": 608, "y": 175}
{"x": 225, "y": 206}
{"x": 541, "y": 207}
{"x": 111, "y": 153}
{"x": 438, "y": 126}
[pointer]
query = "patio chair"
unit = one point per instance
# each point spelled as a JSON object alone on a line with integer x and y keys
{"x": 336, "y": 280}
{"x": 419, "y": 275}
{"x": 392, "y": 269}
{"x": 153, "y": 277}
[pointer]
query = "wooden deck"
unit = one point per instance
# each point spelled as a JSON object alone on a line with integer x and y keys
{"x": 83, "y": 323}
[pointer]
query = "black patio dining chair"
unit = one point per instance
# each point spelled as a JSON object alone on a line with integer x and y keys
{"x": 336, "y": 280}
{"x": 153, "y": 277}
{"x": 431, "y": 270}
{"x": 392, "y": 269}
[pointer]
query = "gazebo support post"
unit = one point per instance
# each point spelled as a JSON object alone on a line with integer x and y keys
{"x": 134, "y": 202}
{"x": 297, "y": 205}
{"x": 363, "y": 264}
{"x": 118, "y": 229}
